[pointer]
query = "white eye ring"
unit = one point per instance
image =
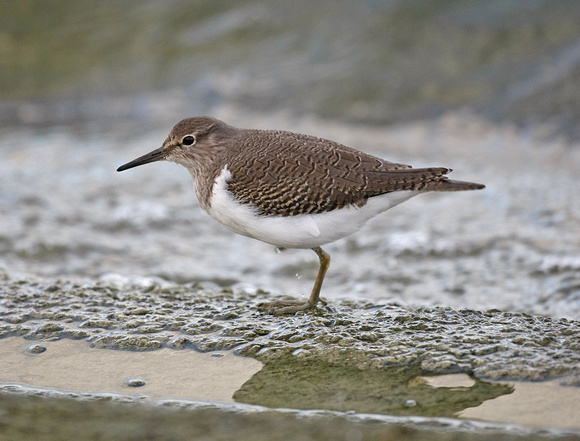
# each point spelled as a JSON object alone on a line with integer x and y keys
{"x": 188, "y": 140}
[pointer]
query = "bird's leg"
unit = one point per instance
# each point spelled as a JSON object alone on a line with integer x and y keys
{"x": 324, "y": 258}
{"x": 295, "y": 306}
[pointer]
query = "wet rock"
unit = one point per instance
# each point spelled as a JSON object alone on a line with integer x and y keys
{"x": 36, "y": 349}
{"x": 135, "y": 382}
{"x": 76, "y": 334}
{"x": 140, "y": 311}
{"x": 98, "y": 323}
{"x": 410, "y": 403}
{"x": 179, "y": 342}
{"x": 138, "y": 343}
{"x": 49, "y": 328}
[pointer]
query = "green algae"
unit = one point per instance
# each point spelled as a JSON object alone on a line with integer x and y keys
{"x": 292, "y": 382}
{"x": 356, "y": 357}
{"x": 105, "y": 418}
{"x": 489, "y": 344}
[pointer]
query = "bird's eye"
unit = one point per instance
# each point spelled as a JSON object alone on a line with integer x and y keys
{"x": 188, "y": 140}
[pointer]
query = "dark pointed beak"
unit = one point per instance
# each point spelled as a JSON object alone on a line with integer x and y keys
{"x": 155, "y": 155}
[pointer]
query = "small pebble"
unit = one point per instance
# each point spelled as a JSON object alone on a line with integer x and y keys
{"x": 135, "y": 382}
{"x": 36, "y": 349}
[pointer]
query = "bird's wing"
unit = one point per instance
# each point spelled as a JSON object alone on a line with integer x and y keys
{"x": 290, "y": 174}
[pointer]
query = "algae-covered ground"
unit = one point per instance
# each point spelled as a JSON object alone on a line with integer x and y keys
{"x": 151, "y": 314}
{"x": 355, "y": 358}
{"x": 312, "y": 384}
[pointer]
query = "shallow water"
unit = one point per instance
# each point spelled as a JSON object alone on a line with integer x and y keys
{"x": 512, "y": 246}
{"x": 72, "y": 365}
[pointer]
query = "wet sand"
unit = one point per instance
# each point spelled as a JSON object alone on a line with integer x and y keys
{"x": 73, "y": 369}
{"x": 72, "y": 365}
{"x": 535, "y": 404}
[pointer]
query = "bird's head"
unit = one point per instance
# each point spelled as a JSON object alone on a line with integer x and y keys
{"x": 189, "y": 140}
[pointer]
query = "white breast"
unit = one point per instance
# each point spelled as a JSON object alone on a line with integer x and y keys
{"x": 301, "y": 231}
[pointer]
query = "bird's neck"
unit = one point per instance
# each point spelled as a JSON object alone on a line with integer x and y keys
{"x": 205, "y": 169}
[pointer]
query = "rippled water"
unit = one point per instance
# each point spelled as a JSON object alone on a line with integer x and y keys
{"x": 513, "y": 246}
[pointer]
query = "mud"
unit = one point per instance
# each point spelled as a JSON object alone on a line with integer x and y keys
{"x": 152, "y": 314}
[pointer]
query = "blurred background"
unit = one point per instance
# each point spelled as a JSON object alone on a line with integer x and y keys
{"x": 490, "y": 89}
{"x": 375, "y": 61}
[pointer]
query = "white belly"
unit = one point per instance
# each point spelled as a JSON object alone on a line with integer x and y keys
{"x": 301, "y": 231}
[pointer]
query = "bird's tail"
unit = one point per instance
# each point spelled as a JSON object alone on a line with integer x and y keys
{"x": 434, "y": 179}
{"x": 416, "y": 179}
{"x": 451, "y": 185}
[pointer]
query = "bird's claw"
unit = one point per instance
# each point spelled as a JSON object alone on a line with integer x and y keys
{"x": 281, "y": 307}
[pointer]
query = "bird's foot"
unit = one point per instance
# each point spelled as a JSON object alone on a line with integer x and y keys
{"x": 282, "y": 307}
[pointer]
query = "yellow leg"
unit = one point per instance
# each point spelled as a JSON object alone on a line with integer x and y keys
{"x": 281, "y": 307}
{"x": 324, "y": 258}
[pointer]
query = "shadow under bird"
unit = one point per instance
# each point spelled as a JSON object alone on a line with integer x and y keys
{"x": 288, "y": 189}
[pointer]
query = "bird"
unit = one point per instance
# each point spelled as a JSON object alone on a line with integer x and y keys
{"x": 288, "y": 189}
